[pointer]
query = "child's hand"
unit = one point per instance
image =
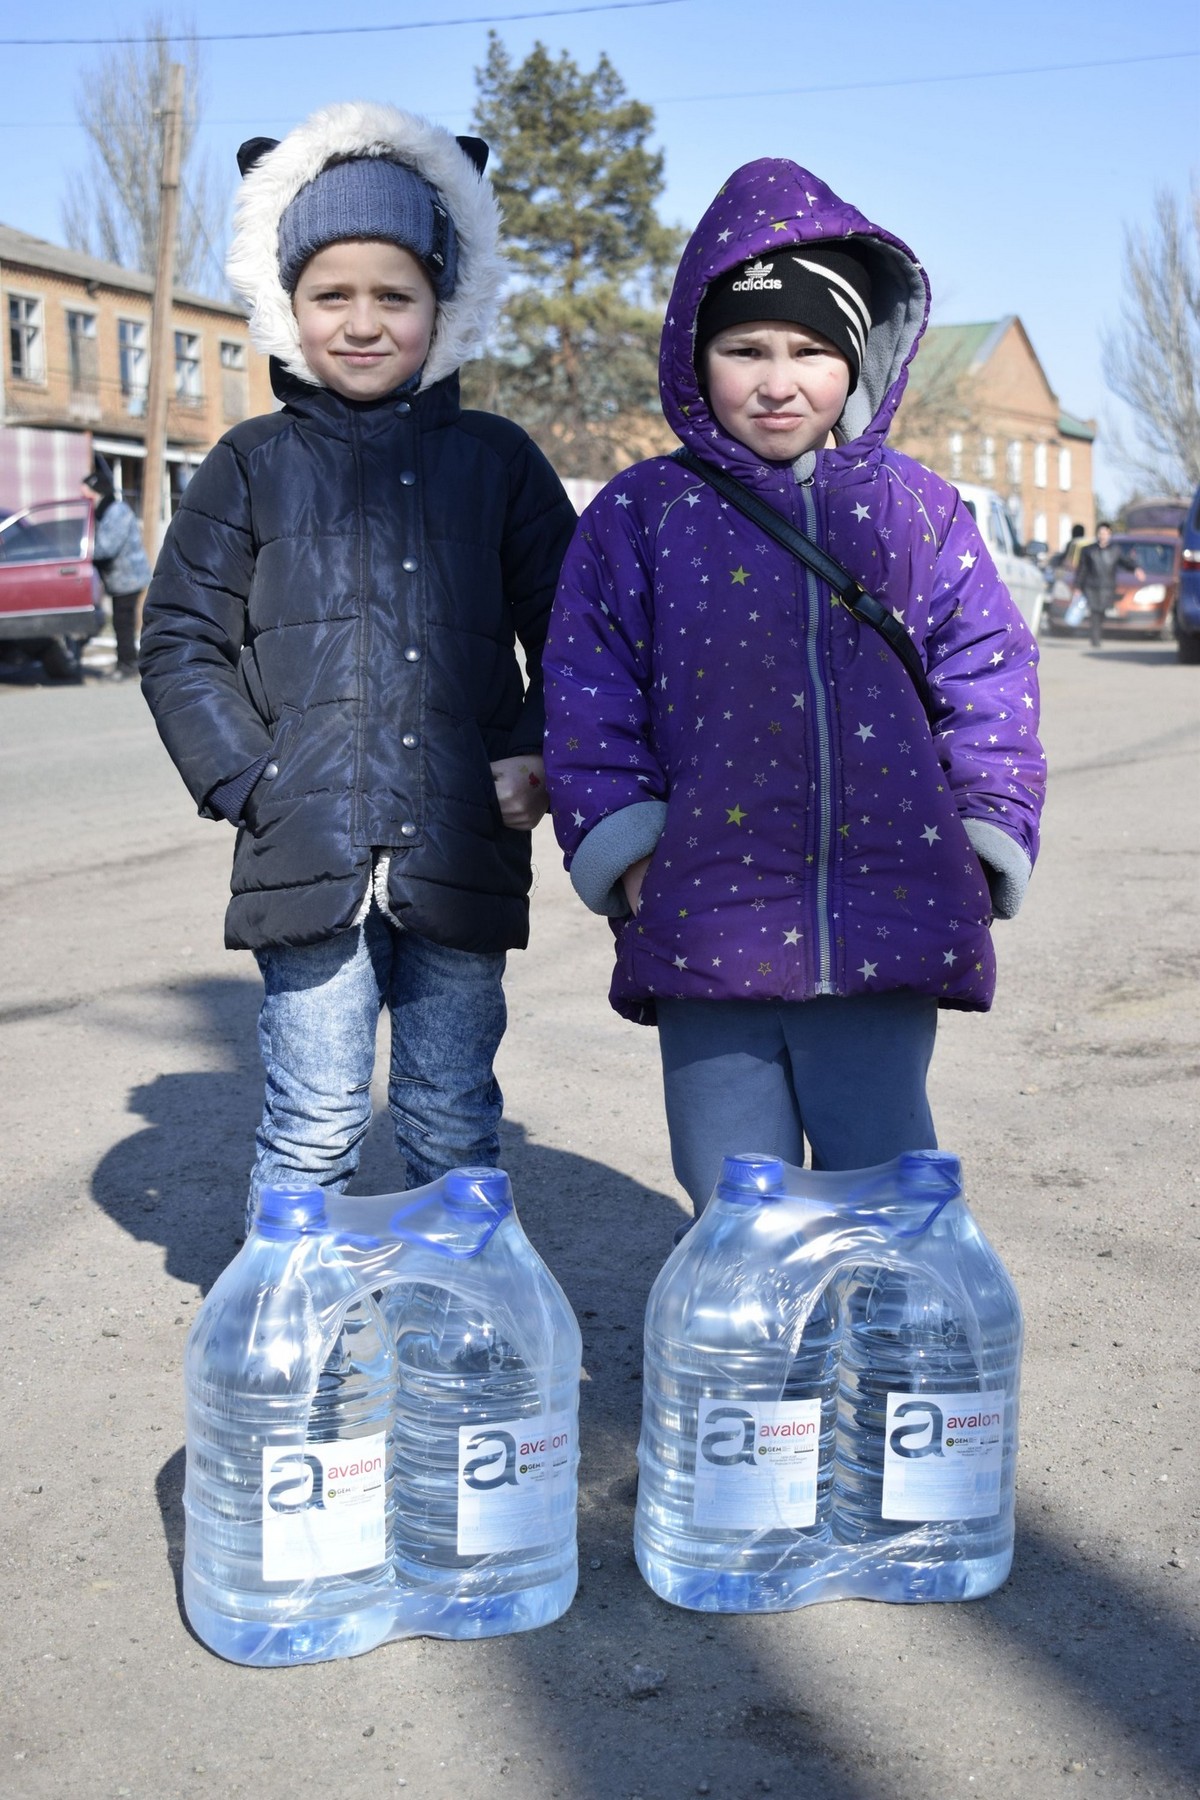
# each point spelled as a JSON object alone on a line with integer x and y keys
{"x": 632, "y": 881}
{"x": 521, "y": 790}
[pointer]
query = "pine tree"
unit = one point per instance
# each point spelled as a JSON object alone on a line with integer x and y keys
{"x": 576, "y": 356}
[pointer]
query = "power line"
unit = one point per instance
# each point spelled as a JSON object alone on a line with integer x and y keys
{"x": 241, "y": 37}
{"x": 905, "y": 81}
{"x": 821, "y": 87}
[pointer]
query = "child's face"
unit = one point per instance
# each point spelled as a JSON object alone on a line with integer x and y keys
{"x": 365, "y": 312}
{"x": 777, "y": 388}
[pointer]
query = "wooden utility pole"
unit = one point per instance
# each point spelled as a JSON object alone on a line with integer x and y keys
{"x": 162, "y": 360}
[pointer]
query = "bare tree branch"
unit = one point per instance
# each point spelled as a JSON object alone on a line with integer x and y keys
{"x": 112, "y": 209}
{"x": 941, "y": 399}
{"x": 1152, "y": 359}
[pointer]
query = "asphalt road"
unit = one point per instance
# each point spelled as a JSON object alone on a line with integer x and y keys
{"x": 130, "y": 1092}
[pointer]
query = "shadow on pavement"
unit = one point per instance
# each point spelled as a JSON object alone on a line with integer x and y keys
{"x": 744, "y": 1703}
{"x": 181, "y": 1180}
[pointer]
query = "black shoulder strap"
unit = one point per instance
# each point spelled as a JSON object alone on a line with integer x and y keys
{"x": 851, "y": 593}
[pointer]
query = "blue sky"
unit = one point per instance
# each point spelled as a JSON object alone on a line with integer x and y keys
{"x": 985, "y": 135}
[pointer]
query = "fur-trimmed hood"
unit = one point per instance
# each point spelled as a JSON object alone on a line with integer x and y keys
{"x": 361, "y": 128}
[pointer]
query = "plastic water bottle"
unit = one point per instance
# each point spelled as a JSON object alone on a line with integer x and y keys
{"x": 927, "y": 1418}
{"x": 485, "y": 1433}
{"x": 288, "y": 1498}
{"x": 738, "y": 1412}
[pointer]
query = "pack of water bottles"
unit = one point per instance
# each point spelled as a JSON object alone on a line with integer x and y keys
{"x": 382, "y": 1439}
{"x": 830, "y": 1394}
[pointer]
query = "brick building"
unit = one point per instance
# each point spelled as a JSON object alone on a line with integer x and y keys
{"x": 77, "y": 357}
{"x": 980, "y": 408}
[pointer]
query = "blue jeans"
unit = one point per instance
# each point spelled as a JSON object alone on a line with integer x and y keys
{"x": 848, "y": 1075}
{"x": 316, "y": 1032}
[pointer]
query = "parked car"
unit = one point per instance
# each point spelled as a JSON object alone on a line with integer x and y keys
{"x": 1187, "y": 603}
{"x": 1018, "y": 571}
{"x": 51, "y": 598}
{"x": 1164, "y": 512}
{"x": 1145, "y": 603}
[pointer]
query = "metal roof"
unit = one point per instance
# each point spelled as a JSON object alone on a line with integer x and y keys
{"x": 35, "y": 253}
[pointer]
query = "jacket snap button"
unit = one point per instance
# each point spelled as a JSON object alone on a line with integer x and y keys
{"x": 412, "y": 654}
{"x": 408, "y": 831}
{"x": 410, "y": 740}
{"x": 271, "y": 771}
{"x": 410, "y": 565}
{"x": 404, "y": 406}
{"x": 408, "y": 479}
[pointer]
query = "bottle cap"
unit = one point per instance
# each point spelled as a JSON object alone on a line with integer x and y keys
{"x": 750, "y": 1178}
{"x": 290, "y": 1212}
{"x": 478, "y": 1190}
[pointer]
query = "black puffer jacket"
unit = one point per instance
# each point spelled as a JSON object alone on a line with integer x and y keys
{"x": 342, "y": 589}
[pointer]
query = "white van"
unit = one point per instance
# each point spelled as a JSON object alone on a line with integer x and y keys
{"x": 1019, "y": 573}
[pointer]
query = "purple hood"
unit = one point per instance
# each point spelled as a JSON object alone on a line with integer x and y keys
{"x": 763, "y": 209}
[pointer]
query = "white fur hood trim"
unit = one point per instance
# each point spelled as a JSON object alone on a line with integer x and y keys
{"x": 361, "y": 128}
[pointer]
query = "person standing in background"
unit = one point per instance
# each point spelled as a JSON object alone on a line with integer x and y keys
{"x": 121, "y": 563}
{"x": 1097, "y": 578}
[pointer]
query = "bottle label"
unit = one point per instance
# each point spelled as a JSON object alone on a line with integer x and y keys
{"x": 513, "y": 1476}
{"x": 323, "y": 1508}
{"x": 756, "y": 1463}
{"x": 942, "y": 1456}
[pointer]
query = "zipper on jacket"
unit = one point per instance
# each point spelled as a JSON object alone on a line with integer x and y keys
{"x": 822, "y": 725}
{"x": 364, "y": 627}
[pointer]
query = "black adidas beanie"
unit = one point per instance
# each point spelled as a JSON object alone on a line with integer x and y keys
{"x": 827, "y": 290}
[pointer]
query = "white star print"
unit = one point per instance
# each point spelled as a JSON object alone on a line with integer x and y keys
{"x": 792, "y": 936}
{"x": 624, "y": 500}
{"x": 864, "y": 732}
{"x": 866, "y": 969}
{"x": 967, "y": 559}
{"x": 931, "y": 834}
{"x": 862, "y": 512}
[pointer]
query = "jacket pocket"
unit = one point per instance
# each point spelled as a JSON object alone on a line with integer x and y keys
{"x": 262, "y": 792}
{"x": 252, "y": 685}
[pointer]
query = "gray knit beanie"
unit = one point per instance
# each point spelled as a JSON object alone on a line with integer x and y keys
{"x": 369, "y": 197}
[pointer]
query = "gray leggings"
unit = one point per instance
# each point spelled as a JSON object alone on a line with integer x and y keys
{"x": 848, "y": 1075}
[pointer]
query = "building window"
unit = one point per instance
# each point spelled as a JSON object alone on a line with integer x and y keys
{"x": 1039, "y": 528}
{"x": 987, "y": 459}
{"x": 1064, "y": 530}
{"x": 1064, "y": 471}
{"x": 235, "y": 393}
{"x": 25, "y": 338}
{"x": 1013, "y": 460}
{"x": 956, "y": 452}
{"x": 1040, "y": 464}
{"x": 135, "y": 363}
{"x": 187, "y": 367}
{"x": 81, "y": 353}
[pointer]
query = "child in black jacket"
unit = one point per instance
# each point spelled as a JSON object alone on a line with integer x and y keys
{"x": 329, "y": 645}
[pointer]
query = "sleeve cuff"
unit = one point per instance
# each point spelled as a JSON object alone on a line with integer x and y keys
{"x": 609, "y": 849}
{"x": 1005, "y": 865}
{"x": 229, "y": 797}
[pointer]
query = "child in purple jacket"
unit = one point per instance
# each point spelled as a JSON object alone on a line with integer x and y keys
{"x": 800, "y": 869}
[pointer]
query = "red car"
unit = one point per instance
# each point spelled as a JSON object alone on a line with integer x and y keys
{"x": 51, "y": 598}
{"x": 1145, "y": 603}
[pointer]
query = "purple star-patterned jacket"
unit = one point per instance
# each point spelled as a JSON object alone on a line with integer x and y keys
{"x": 707, "y": 699}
